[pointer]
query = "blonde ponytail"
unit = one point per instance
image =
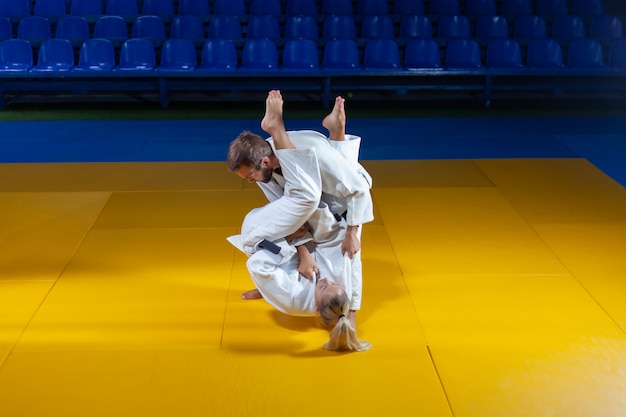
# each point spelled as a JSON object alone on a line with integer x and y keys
{"x": 343, "y": 336}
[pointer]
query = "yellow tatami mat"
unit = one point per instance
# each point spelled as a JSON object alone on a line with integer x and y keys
{"x": 491, "y": 288}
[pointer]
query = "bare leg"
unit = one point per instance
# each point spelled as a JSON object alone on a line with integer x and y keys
{"x": 251, "y": 295}
{"x": 273, "y": 123}
{"x": 335, "y": 122}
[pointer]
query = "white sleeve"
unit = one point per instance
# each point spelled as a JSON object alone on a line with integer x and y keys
{"x": 278, "y": 280}
{"x": 284, "y": 216}
{"x": 348, "y": 148}
{"x": 346, "y": 180}
{"x": 272, "y": 190}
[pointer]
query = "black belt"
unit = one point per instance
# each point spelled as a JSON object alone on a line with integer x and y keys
{"x": 270, "y": 246}
{"x": 343, "y": 215}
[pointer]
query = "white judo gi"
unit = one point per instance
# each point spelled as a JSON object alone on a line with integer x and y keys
{"x": 345, "y": 188}
{"x": 345, "y": 183}
{"x": 276, "y": 274}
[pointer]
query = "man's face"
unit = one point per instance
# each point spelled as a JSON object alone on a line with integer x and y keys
{"x": 264, "y": 174}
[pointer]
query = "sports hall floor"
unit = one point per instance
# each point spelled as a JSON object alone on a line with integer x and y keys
{"x": 494, "y": 273}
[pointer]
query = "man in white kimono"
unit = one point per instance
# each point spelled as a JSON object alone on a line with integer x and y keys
{"x": 273, "y": 262}
{"x": 345, "y": 183}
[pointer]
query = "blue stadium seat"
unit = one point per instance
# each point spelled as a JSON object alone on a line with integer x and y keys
{"x": 421, "y": 54}
{"x": 89, "y": 9}
{"x": 341, "y": 55}
{"x": 73, "y": 28}
{"x": 463, "y": 54}
{"x": 259, "y": 55}
{"x": 16, "y": 55}
{"x": 55, "y": 55}
{"x": 188, "y": 27}
{"x": 617, "y": 55}
{"x": 408, "y": 7}
{"x": 112, "y": 28}
{"x": 377, "y": 27}
{"x": 199, "y": 8}
{"x": 372, "y": 7}
{"x": 585, "y": 54}
{"x": 548, "y": 9}
{"x": 584, "y": 8}
{"x": 128, "y": 9}
{"x": 96, "y": 55}
{"x": 263, "y": 26}
{"x": 529, "y": 27}
{"x": 178, "y": 55}
{"x": 476, "y": 8}
{"x": 491, "y": 27}
{"x": 136, "y": 55}
{"x": 301, "y": 26}
{"x": 218, "y": 55}
{"x": 229, "y": 8}
{"x": 514, "y": 8}
{"x": 337, "y": 7}
{"x": 15, "y": 9}
{"x": 265, "y": 7}
{"x": 149, "y": 27}
{"x": 162, "y": 8}
{"x": 301, "y": 8}
{"x": 544, "y": 54}
{"x": 415, "y": 26}
{"x": 444, "y": 7}
{"x": 51, "y": 9}
{"x": 225, "y": 27}
{"x": 300, "y": 55}
{"x": 504, "y": 54}
{"x": 339, "y": 27}
{"x": 6, "y": 28}
{"x": 453, "y": 27}
{"x": 606, "y": 28}
{"x": 34, "y": 29}
{"x": 381, "y": 55}
{"x": 567, "y": 28}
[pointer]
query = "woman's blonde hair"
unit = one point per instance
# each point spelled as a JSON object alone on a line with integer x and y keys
{"x": 343, "y": 337}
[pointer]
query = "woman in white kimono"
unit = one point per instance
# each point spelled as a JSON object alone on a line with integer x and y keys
{"x": 273, "y": 261}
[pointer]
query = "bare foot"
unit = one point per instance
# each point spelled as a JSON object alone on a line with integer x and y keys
{"x": 273, "y": 122}
{"x": 251, "y": 295}
{"x": 273, "y": 118}
{"x": 335, "y": 122}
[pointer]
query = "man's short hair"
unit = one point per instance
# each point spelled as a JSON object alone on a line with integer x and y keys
{"x": 247, "y": 149}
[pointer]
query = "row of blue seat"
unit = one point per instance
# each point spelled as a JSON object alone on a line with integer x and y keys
{"x": 326, "y": 82}
{"x": 604, "y": 28}
{"x": 219, "y": 55}
{"x": 56, "y": 8}
{"x": 328, "y": 67}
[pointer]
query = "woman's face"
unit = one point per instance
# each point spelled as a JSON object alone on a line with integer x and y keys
{"x": 325, "y": 289}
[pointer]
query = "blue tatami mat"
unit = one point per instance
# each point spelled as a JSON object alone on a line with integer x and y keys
{"x": 601, "y": 140}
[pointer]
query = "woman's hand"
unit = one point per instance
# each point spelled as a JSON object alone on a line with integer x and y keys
{"x": 307, "y": 266}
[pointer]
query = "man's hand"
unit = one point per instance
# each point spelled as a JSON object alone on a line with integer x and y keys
{"x": 351, "y": 244}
